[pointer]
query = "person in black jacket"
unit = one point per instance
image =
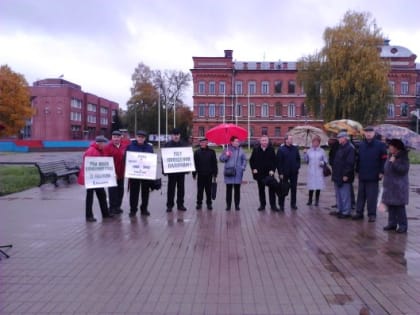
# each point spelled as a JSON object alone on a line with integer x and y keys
{"x": 288, "y": 165}
{"x": 139, "y": 145}
{"x": 343, "y": 175}
{"x": 206, "y": 169}
{"x": 176, "y": 180}
{"x": 370, "y": 167}
{"x": 263, "y": 164}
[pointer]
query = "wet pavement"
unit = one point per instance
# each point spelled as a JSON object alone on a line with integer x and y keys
{"x": 202, "y": 262}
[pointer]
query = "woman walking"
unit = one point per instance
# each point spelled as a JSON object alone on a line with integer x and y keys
{"x": 235, "y": 162}
{"x": 316, "y": 159}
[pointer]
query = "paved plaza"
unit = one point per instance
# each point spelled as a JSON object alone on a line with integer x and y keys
{"x": 202, "y": 262}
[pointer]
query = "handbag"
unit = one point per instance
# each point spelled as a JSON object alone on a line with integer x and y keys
{"x": 326, "y": 171}
{"x": 284, "y": 187}
{"x": 230, "y": 171}
{"x": 155, "y": 184}
{"x": 213, "y": 189}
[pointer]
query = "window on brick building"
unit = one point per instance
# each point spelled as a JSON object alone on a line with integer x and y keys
{"x": 418, "y": 88}
{"x": 238, "y": 88}
{"x": 212, "y": 88}
{"x": 252, "y": 131}
{"x": 75, "y": 103}
{"x": 264, "y": 110}
{"x": 201, "y": 110}
{"x": 104, "y": 110}
{"x": 251, "y": 110}
{"x": 222, "y": 87}
{"x": 291, "y": 87}
{"x": 278, "y": 109}
{"x": 75, "y": 116}
{"x": 252, "y": 88}
{"x": 391, "y": 85}
{"x": 212, "y": 110}
{"x": 91, "y": 107}
{"x": 404, "y": 109}
{"x": 291, "y": 110}
{"x": 264, "y": 131}
{"x": 265, "y": 87}
{"x": 277, "y": 131}
{"x": 404, "y": 88}
{"x": 238, "y": 110}
{"x": 278, "y": 86}
{"x": 221, "y": 110}
{"x": 201, "y": 131}
{"x": 303, "y": 110}
{"x": 201, "y": 87}
{"x": 391, "y": 111}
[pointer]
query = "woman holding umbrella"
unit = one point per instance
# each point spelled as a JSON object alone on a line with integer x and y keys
{"x": 395, "y": 187}
{"x": 235, "y": 162}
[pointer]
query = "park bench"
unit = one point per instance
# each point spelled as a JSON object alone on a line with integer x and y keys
{"x": 52, "y": 171}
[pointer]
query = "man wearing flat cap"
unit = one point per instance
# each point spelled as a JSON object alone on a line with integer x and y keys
{"x": 176, "y": 180}
{"x": 95, "y": 149}
{"x": 370, "y": 168}
{"x": 206, "y": 169}
{"x": 139, "y": 145}
{"x": 343, "y": 175}
{"x": 116, "y": 148}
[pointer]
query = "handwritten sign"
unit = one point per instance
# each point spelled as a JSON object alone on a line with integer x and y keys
{"x": 99, "y": 172}
{"x": 178, "y": 160}
{"x": 140, "y": 165}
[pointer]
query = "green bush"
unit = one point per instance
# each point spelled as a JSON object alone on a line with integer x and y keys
{"x": 14, "y": 178}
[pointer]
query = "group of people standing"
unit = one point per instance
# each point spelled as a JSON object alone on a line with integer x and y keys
{"x": 370, "y": 160}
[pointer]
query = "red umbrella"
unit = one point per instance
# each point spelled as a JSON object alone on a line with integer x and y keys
{"x": 222, "y": 133}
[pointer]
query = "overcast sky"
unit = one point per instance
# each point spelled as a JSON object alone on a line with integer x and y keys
{"x": 97, "y": 44}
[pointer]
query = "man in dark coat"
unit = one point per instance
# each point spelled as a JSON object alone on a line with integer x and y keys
{"x": 139, "y": 145}
{"x": 343, "y": 175}
{"x": 206, "y": 169}
{"x": 176, "y": 180}
{"x": 263, "y": 164}
{"x": 116, "y": 149}
{"x": 288, "y": 165}
{"x": 370, "y": 167}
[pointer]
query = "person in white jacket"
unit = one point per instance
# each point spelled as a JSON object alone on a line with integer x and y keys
{"x": 316, "y": 158}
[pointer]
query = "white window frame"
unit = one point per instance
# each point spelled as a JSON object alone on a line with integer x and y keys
{"x": 265, "y": 110}
{"x": 291, "y": 110}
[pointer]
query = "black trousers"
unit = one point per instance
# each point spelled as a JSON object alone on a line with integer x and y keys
{"x": 177, "y": 181}
{"x": 292, "y": 178}
{"x": 261, "y": 194}
{"x": 101, "y": 195}
{"x": 367, "y": 193}
{"x": 116, "y": 195}
{"x": 397, "y": 215}
{"x": 237, "y": 197}
{"x": 204, "y": 184}
{"x": 135, "y": 185}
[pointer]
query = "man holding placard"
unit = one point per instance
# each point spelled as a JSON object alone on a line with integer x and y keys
{"x": 137, "y": 170}
{"x": 95, "y": 183}
{"x": 116, "y": 148}
{"x": 177, "y": 160}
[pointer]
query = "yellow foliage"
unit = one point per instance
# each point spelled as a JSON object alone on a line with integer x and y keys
{"x": 15, "y": 104}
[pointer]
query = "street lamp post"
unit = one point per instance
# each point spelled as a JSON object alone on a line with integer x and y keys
{"x": 135, "y": 117}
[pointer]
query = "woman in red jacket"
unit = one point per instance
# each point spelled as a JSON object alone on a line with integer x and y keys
{"x": 95, "y": 149}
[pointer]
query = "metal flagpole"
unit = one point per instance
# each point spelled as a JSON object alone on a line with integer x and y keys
{"x": 159, "y": 118}
{"x": 224, "y": 106}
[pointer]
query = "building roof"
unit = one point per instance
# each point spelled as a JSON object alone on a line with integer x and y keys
{"x": 391, "y": 51}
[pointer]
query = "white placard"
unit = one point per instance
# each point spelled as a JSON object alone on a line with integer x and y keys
{"x": 140, "y": 165}
{"x": 99, "y": 172}
{"x": 178, "y": 160}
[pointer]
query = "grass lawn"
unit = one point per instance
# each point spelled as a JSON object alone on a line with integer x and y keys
{"x": 14, "y": 178}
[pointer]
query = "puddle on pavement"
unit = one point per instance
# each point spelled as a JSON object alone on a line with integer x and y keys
{"x": 338, "y": 299}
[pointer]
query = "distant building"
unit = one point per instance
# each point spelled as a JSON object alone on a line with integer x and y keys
{"x": 62, "y": 111}
{"x": 264, "y": 97}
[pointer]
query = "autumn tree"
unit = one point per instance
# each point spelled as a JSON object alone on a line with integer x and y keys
{"x": 347, "y": 78}
{"x": 15, "y": 105}
{"x": 152, "y": 88}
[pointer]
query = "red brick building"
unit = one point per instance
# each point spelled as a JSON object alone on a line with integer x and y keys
{"x": 264, "y": 97}
{"x": 62, "y": 111}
